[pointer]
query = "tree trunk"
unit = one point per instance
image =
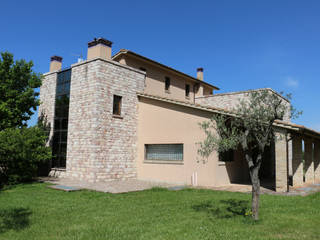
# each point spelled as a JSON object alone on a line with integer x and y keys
{"x": 254, "y": 173}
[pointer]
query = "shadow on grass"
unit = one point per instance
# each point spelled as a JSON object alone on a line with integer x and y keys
{"x": 14, "y": 219}
{"x": 224, "y": 209}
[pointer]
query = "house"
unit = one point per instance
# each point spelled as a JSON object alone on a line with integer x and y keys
{"x": 126, "y": 116}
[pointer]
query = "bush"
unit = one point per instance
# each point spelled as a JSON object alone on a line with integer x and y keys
{"x": 22, "y": 150}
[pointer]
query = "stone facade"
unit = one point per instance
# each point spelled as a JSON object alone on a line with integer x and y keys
{"x": 230, "y": 101}
{"x": 101, "y": 146}
{"x": 47, "y": 99}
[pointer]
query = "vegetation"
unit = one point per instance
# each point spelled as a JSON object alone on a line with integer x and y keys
{"x": 22, "y": 149}
{"x": 17, "y": 95}
{"x": 251, "y": 128}
{"x": 21, "y": 152}
{"x": 34, "y": 211}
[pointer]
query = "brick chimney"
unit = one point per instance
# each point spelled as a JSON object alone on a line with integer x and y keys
{"x": 99, "y": 48}
{"x": 55, "y": 63}
{"x": 200, "y": 73}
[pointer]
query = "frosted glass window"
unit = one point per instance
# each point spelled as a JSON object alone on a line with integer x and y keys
{"x": 164, "y": 152}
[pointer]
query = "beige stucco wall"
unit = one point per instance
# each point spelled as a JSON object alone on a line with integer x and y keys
{"x": 155, "y": 81}
{"x": 99, "y": 50}
{"x": 164, "y": 123}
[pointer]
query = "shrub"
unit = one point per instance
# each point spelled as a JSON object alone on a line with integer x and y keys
{"x": 21, "y": 152}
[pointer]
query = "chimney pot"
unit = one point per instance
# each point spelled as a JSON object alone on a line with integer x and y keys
{"x": 200, "y": 74}
{"x": 55, "y": 63}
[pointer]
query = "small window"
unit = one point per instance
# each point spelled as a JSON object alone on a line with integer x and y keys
{"x": 187, "y": 90}
{"x": 143, "y": 69}
{"x": 167, "y": 84}
{"x": 164, "y": 152}
{"x": 117, "y": 105}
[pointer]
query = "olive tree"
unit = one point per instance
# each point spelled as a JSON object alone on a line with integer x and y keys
{"x": 250, "y": 126}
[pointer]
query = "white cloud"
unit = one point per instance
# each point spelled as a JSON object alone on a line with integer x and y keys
{"x": 291, "y": 82}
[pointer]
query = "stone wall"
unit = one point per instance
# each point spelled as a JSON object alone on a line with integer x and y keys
{"x": 47, "y": 98}
{"x": 101, "y": 146}
{"x": 230, "y": 101}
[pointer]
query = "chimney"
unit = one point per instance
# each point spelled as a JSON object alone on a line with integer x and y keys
{"x": 200, "y": 73}
{"x": 99, "y": 48}
{"x": 55, "y": 63}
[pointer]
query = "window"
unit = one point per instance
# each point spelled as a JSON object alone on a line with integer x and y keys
{"x": 167, "y": 84}
{"x": 143, "y": 69}
{"x": 117, "y": 105}
{"x": 187, "y": 90}
{"x": 164, "y": 152}
{"x": 61, "y": 116}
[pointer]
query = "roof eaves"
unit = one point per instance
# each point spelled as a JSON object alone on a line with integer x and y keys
{"x": 277, "y": 123}
{"x": 245, "y": 91}
{"x": 125, "y": 51}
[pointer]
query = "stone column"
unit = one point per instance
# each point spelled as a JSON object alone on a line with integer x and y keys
{"x": 297, "y": 165}
{"x": 317, "y": 161}
{"x": 281, "y": 180}
{"x": 308, "y": 161}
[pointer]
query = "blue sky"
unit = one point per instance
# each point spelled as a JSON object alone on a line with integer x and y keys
{"x": 240, "y": 44}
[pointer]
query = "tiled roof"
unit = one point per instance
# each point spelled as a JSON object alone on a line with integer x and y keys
{"x": 246, "y": 91}
{"x": 187, "y": 104}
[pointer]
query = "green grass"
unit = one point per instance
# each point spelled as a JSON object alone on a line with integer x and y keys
{"x": 34, "y": 211}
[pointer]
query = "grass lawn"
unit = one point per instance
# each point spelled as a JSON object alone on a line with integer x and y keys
{"x": 33, "y": 211}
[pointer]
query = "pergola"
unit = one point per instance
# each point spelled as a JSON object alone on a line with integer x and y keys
{"x": 289, "y": 154}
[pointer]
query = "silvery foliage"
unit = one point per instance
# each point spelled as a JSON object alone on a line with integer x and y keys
{"x": 249, "y": 124}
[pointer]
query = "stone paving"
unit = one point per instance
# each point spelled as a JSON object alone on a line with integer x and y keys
{"x": 115, "y": 186}
{"x": 302, "y": 190}
{"x": 133, "y": 185}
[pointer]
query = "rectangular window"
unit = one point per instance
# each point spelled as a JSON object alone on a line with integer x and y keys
{"x": 167, "y": 84}
{"x": 187, "y": 90}
{"x": 164, "y": 152}
{"x": 61, "y": 113}
{"x": 117, "y": 105}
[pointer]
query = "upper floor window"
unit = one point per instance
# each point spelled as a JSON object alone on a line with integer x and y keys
{"x": 117, "y": 105}
{"x": 143, "y": 69}
{"x": 167, "y": 84}
{"x": 187, "y": 90}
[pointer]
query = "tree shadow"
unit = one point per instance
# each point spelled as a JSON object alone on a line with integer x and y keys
{"x": 14, "y": 219}
{"x": 224, "y": 209}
